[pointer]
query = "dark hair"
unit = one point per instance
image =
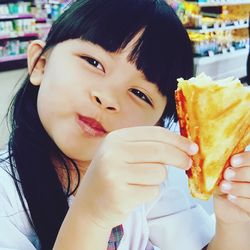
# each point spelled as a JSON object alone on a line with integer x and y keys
{"x": 163, "y": 53}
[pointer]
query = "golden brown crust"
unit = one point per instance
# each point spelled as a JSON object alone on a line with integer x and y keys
{"x": 218, "y": 120}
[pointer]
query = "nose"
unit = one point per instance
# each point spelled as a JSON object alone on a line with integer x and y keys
{"x": 104, "y": 101}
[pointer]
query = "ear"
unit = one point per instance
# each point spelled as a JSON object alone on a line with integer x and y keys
{"x": 36, "y": 64}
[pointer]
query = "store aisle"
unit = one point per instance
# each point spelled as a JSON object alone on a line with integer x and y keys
{"x": 9, "y": 81}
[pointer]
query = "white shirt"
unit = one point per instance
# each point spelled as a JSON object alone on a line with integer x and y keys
{"x": 168, "y": 223}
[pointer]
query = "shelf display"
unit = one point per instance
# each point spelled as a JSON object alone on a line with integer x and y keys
{"x": 205, "y": 3}
{"x": 15, "y": 8}
{"x": 22, "y": 22}
{"x": 10, "y": 49}
{"x": 219, "y": 42}
{"x": 218, "y": 31}
{"x": 17, "y": 27}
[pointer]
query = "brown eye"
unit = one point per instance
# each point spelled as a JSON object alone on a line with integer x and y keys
{"x": 141, "y": 95}
{"x": 93, "y": 62}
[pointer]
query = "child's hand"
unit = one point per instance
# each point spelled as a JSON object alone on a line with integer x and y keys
{"x": 128, "y": 169}
{"x": 233, "y": 204}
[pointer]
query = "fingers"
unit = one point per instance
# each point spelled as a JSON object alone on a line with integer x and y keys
{"x": 237, "y": 193}
{"x": 241, "y": 160}
{"x": 145, "y": 174}
{"x": 236, "y": 183}
{"x": 156, "y": 134}
{"x": 237, "y": 174}
{"x": 156, "y": 152}
{"x": 243, "y": 203}
{"x": 236, "y": 189}
{"x": 240, "y": 170}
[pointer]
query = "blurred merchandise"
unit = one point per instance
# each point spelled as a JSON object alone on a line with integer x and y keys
{"x": 22, "y": 22}
{"x": 13, "y": 48}
{"x": 218, "y": 30}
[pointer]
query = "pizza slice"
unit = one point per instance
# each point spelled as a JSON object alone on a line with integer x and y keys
{"x": 215, "y": 115}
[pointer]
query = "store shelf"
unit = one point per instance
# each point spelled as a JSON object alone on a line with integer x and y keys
{"x": 41, "y": 20}
{"x": 43, "y": 25}
{"x": 54, "y": 2}
{"x": 17, "y": 35}
{"x": 220, "y": 57}
{"x": 206, "y": 29}
{"x": 12, "y": 58}
{"x": 14, "y": 1}
{"x": 17, "y": 16}
{"x": 223, "y": 65}
{"x": 35, "y": 24}
{"x": 220, "y": 3}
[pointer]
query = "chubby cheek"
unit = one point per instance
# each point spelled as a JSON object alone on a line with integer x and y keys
{"x": 57, "y": 117}
{"x": 65, "y": 132}
{"x": 67, "y": 136}
{"x": 51, "y": 106}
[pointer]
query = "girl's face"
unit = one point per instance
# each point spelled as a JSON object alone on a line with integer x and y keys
{"x": 86, "y": 92}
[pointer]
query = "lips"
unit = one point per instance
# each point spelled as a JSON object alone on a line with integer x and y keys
{"x": 91, "y": 126}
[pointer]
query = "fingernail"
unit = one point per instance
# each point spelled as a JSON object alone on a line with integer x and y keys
{"x": 231, "y": 197}
{"x": 194, "y": 148}
{"x": 229, "y": 174}
{"x": 236, "y": 161}
{"x": 225, "y": 187}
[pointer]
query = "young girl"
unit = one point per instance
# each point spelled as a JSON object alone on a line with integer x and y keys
{"x": 85, "y": 163}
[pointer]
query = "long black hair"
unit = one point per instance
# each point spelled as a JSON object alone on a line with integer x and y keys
{"x": 163, "y": 53}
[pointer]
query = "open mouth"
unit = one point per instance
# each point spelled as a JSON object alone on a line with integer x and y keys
{"x": 90, "y": 126}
